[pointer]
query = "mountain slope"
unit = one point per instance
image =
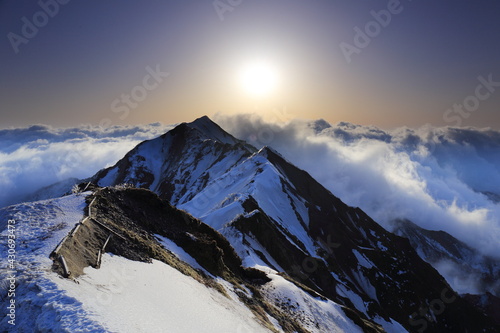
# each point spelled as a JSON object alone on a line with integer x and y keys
{"x": 279, "y": 219}
{"x": 462, "y": 265}
{"x": 193, "y": 282}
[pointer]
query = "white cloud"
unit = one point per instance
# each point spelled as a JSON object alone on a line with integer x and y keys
{"x": 40, "y": 155}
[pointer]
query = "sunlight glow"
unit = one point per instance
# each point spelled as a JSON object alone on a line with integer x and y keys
{"x": 259, "y": 78}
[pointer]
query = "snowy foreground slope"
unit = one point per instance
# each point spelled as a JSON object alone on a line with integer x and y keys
{"x": 131, "y": 296}
{"x": 105, "y": 299}
{"x": 41, "y": 306}
{"x": 218, "y": 236}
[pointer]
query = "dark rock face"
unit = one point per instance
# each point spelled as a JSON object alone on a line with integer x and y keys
{"x": 373, "y": 273}
{"x": 139, "y": 214}
{"x": 489, "y": 303}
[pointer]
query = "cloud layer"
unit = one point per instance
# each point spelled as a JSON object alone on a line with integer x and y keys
{"x": 440, "y": 178}
{"x": 40, "y": 155}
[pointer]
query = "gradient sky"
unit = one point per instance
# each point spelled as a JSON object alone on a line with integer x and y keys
{"x": 428, "y": 58}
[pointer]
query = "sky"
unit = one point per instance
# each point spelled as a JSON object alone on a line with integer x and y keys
{"x": 128, "y": 62}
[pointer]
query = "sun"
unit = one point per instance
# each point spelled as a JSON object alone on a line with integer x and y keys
{"x": 259, "y": 78}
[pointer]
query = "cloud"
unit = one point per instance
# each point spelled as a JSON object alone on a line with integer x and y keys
{"x": 40, "y": 155}
{"x": 440, "y": 178}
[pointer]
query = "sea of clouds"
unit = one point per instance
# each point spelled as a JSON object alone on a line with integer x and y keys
{"x": 39, "y": 155}
{"x": 440, "y": 178}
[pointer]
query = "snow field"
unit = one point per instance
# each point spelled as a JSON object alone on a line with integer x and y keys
{"x": 130, "y": 296}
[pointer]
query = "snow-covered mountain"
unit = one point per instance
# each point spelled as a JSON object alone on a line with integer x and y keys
{"x": 467, "y": 270}
{"x": 117, "y": 295}
{"x": 245, "y": 223}
{"x": 449, "y": 256}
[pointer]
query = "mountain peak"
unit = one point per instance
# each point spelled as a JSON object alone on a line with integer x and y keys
{"x": 211, "y": 130}
{"x": 319, "y": 125}
{"x": 268, "y": 152}
{"x": 203, "y": 121}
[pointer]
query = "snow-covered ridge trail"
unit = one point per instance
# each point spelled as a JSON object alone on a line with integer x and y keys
{"x": 40, "y": 305}
{"x": 83, "y": 246}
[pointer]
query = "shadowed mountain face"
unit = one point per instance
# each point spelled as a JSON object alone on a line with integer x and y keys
{"x": 278, "y": 218}
{"x": 465, "y": 267}
{"x": 178, "y": 164}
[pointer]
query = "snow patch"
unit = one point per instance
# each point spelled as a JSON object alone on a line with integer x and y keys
{"x": 316, "y": 315}
{"x": 129, "y": 296}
